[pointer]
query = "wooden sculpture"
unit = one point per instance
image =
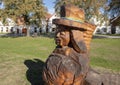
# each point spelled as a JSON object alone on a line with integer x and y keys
{"x": 68, "y": 64}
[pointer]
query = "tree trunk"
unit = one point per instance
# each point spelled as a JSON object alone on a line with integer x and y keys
{"x": 28, "y": 31}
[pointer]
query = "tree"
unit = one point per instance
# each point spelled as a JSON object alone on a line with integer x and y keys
{"x": 114, "y": 14}
{"x": 15, "y": 8}
{"x": 32, "y": 10}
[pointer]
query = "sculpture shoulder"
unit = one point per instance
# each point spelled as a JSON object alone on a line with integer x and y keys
{"x": 63, "y": 64}
{"x": 61, "y": 69}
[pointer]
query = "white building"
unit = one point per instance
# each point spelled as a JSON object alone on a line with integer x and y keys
{"x": 50, "y": 24}
{"x": 101, "y": 25}
{"x": 47, "y": 23}
{"x": 8, "y": 27}
{"x": 12, "y": 27}
{"x": 5, "y": 29}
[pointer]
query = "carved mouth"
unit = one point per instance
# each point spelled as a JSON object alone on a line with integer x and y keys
{"x": 58, "y": 41}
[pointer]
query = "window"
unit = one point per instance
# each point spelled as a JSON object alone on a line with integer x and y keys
{"x": 1, "y": 29}
{"x": 6, "y": 29}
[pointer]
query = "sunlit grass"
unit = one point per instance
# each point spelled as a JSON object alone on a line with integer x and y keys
{"x": 106, "y": 53}
{"x": 27, "y": 47}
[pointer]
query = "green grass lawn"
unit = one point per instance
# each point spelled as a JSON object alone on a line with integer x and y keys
{"x": 105, "y": 53}
{"x": 22, "y": 59}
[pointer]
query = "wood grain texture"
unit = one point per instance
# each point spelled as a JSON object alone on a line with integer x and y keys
{"x": 68, "y": 64}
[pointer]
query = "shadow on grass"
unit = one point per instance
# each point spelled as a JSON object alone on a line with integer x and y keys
{"x": 34, "y": 72}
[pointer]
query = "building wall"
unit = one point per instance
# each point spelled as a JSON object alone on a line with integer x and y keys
{"x": 106, "y": 30}
{"x": 117, "y": 29}
{"x": 5, "y": 29}
{"x": 51, "y": 26}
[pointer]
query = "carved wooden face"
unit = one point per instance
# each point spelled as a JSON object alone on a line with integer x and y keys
{"x": 62, "y": 36}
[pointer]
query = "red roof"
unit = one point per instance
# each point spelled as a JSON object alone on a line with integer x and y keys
{"x": 48, "y": 15}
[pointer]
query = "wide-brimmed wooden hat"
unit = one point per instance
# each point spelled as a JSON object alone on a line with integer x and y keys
{"x": 73, "y": 17}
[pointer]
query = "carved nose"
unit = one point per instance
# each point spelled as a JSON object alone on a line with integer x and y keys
{"x": 58, "y": 34}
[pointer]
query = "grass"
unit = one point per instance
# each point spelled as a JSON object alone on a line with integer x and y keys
{"x": 22, "y": 59}
{"x": 105, "y": 53}
{"x": 109, "y": 34}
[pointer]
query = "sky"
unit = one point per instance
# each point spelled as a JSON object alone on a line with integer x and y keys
{"x": 1, "y": 5}
{"x": 50, "y": 5}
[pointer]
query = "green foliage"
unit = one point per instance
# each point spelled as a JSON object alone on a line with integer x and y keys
{"x": 14, "y": 8}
